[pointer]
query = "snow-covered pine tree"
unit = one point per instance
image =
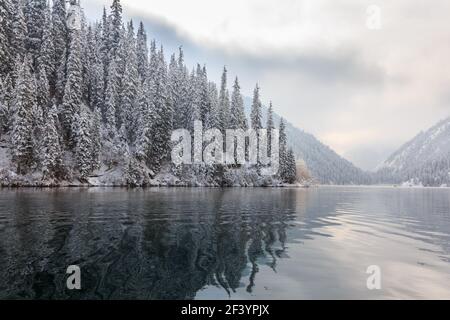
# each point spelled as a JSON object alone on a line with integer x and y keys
{"x": 6, "y": 101}
{"x": 60, "y": 84}
{"x": 85, "y": 34}
{"x": 59, "y": 28}
{"x": 6, "y": 54}
{"x": 43, "y": 94}
{"x": 22, "y": 128}
{"x": 35, "y": 17}
{"x": 178, "y": 86}
{"x": 283, "y": 172}
{"x": 46, "y": 51}
{"x": 121, "y": 57}
{"x": 193, "y": 101}
{"x": 96, "y": 139}
{"x": 144, "y": 124}
{"x": 96, "y": 92}
{"x": 163, "y": 112}
{"x": 203, "y": 95}
{"x": 238, "y": 119}
{"x": 3, "y": 108}
{"x": 270, "y": 126}
{"x": 172, "y": 84}
{"x": 39, "y": 112}
{"x": 60, "y": 35}
{"x": 111, "y": 99}
{"x": 73, "y": 94}
{"x": 128, "y": 92}
{"x": 224, "y": 102}
{"x": 237, "y": 114}
{"x": 256, "y": 112}
{"x": 142, "y": 52}
{"x": 104, "y": 48}
{"x": 115, "y": 28}
{"x": 83, "y": 138}
{"x": 214, "y": 116}
{"x": 19, "y": 31}
{"x": 291, "y": 167}
{"x": 153, "y": 67}
{"x": 52, "y": 164}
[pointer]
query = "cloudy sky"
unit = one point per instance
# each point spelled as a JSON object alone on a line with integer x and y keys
{"x": 326, "y": 66}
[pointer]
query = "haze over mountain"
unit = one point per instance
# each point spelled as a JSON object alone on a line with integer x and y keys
{"x": 423, "y": 160}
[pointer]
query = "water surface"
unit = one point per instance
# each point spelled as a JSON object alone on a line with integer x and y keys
{"x": 225, "y": 243}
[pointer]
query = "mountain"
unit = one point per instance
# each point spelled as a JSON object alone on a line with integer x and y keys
{"x": 325, "y": 165}
{"x": 425, "y": 160}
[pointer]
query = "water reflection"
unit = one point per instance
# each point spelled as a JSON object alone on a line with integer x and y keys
{"x": 138, "y": 244}
{"x": 181, "y": 243}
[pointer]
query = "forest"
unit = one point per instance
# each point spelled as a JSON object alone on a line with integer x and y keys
{"x": 95, "y": 103}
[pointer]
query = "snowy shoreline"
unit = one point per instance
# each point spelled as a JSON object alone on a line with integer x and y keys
{"x": 161, "y": 185}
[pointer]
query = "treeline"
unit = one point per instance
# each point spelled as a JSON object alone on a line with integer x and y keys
{"x": 76, "y": 96}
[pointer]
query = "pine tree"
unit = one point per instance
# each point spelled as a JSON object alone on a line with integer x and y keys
{"x": 193, "y": 102}
{"x": 224, "y": 102}
{"x": 291, "y": 167}
{"x": 283, "y": 158}
{"x": 144, "y": 124}
{"x": 256, "y": 116}
{"x": 42, "y": 104}
{"x": 86, "y": 65}
{"x": 238, "y": 119}
{"x": 161, "y": 108}
{"x": 6, "y": 102}
{"x": 203, "y": 95}
{"x": 96, "y": 145}
{"x": 111, "y": 99}
{"x": 96, "y": 92}
{"x": 43, "y": 94}
{"x": 84, "y": 144}
{"x": 60, "y": 35}
{"x": 37, "y": 113}
{"x": 214, "y": 116}
{"x": 270, "y": 126}
{"x": 35, "y": 18}
{"x": 6, "y": 18}
{"x": 59, "y": 28}
{"x": 172, "y": 85}
{"x": 142, "y": 52}
{"x": 128, "y": 92}
{"x": 104, "y": 48}
{"x": 52, "y": 164}
{"x": 22, "y": 130}
{"x": 256, "y": 112}
{"x": 45, "y": 57}
{"x": 178, "y": 89}
{"x": 3, "y": 108}
{"x": 73, "y": 94}
{"x": 115, "y": 28}
{"x": 61, "y": 79}
{"x": 19, "y": 31}
{"x": 153, "y": 67}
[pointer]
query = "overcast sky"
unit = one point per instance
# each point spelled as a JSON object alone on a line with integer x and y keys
{"x": 363, "y": 92}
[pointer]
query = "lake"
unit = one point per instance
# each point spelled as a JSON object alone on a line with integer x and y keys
{"x": 234, "y": 243}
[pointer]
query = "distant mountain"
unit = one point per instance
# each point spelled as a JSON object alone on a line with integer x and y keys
{"x": 325, "y": 165}
{"x": 423, "y": 160}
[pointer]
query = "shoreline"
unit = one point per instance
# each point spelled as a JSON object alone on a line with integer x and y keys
{"x": 166, "y": 186}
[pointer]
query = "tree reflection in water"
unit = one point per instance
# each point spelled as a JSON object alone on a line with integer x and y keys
{"x": 141, "y": 244}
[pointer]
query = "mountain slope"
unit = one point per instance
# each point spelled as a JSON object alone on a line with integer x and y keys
{"x": 325, "y": 165}
{"x": 423, "y": 160}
